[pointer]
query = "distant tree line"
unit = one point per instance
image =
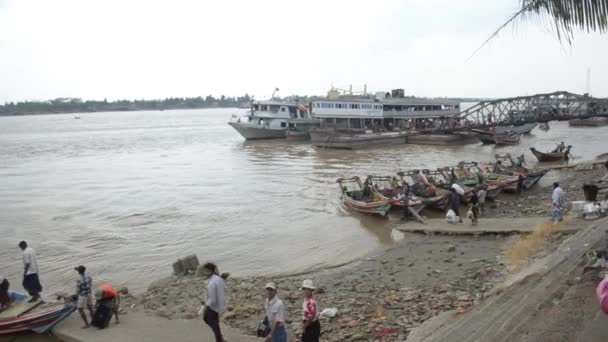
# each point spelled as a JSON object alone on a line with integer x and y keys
{"x": 76, "y": 105}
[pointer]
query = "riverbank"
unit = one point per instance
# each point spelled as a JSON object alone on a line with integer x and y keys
{"x": 385, "y": 295}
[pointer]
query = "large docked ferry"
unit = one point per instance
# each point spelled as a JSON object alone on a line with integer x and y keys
{"x": 268, "y": 119}
{"x": 361, "y": 113}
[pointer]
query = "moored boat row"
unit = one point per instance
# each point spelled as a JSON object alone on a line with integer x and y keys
{"x": 431, "y": 188}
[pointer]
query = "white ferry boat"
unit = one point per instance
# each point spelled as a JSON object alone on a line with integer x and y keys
{"x": 268, "y": 119}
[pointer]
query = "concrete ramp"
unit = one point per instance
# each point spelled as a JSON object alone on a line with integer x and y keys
{"x": 522, "y": 225}
{"x": 552, "y": 300}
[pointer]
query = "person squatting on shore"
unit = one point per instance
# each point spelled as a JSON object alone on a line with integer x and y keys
{"x": 5, "y": 298}
{"x": 106, "y": 296}
{"x": 31, "y": 281}
{"x": 216, "y": 300}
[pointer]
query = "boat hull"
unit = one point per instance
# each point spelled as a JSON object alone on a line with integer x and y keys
{"x": 441, "y": 139}
{"x": 493, "y": 193}
{"x": 378, "y": 208}
{"x": 589, "y": 122}
{"x": 257, "y": 132}
{"x": 506, "y": 140}
{"x": 547, "y": 157}
{"x": 297, "y": 136}
{"x": 533, "y": 178}
{"x": 346, "y": 141}
{"x": 38, "y": 322}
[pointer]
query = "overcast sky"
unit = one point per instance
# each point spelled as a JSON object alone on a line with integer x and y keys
{"x": 156, "y": 49}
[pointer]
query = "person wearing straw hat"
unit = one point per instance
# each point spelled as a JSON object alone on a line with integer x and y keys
{"x": 275, "y": 311}
{"x": 310, "y": 317}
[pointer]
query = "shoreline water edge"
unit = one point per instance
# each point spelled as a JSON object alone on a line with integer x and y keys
{"x": 387, "y": 294}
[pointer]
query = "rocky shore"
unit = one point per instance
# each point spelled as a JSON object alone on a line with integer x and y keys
{"x": 384, "y": 296}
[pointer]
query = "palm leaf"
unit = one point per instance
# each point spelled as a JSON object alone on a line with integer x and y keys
{"x": 566, "y": 15}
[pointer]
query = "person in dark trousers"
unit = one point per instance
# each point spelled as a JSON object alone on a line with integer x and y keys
{"x": 474, "y": 202}
{"x": 31, "y": 282}
{"x": 216, "y": 300}
{"x": 5, "y": 298}
{"x": 107, "y": 296}
{"x": 455, "y": 203}
{"x": 310, "y": 317}
{"x": 406, "y": 201}
{"x": 520, "y": 183}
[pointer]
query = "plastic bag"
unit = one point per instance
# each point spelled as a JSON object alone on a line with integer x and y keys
{"x": 451, "y": 216}
{"x": 329, "y": 312}
{"x": 263, "y": 328}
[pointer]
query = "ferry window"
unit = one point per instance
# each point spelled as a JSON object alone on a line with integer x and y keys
{"x": 282, "y": 109}
{"x": 283, "y": 124}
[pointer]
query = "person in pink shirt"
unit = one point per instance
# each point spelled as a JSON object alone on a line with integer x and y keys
{"x": 312, "y": 327}
{"x": 602, "y": 294}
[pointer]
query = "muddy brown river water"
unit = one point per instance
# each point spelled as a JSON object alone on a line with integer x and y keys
{"x": 127, "y": 193}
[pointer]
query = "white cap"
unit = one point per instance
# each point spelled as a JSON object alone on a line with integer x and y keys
{"x": 271, "y": 286}
{"x": 307, "y": 284}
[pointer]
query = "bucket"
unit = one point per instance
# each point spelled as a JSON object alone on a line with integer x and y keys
{"x": 590, "y": 191}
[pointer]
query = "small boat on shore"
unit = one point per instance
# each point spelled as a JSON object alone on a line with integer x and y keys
{"x": 37, "y": 317}
{"x": 424, "y": 186}
{"x": 506, "y": 139}
{"x": 550, "y": 156}
{"x": 390, "y": 188}
{"x": 362, "y": 199}
{"x": 506, "y": 166}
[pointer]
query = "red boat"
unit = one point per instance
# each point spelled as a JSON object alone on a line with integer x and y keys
{"x": 22, "y": 316}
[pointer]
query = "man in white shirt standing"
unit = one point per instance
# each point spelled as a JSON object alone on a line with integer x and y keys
{"x": 275, "y": 311}
{"x": 216, "y": 300}
{"x": 557, "y": 199}
{"x": 31, "y": 282}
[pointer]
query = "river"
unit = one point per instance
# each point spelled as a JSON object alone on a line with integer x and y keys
{"x": 127, "y": 193}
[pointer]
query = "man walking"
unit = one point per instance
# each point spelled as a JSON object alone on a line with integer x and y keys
{"x": 85, "y": 295}
{"x": 275, "y": 311}
{"x": 406, "y": 201}
{"x": 31, "y": 282}
{"x": 455, "y": 202}
{"x": 481, "y": 197}
{"x": 520, "y": 183}
{"x": 557, "y": 199}
{"x": 216, "y": 300}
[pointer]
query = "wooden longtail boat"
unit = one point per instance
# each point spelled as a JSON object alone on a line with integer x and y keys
{"x": 507, "y": 139}
{"x": 359, "y": 198}
{"x": 22, "y": 316}
{"x": 550, "y": 156}
{"x": 390, "y": 188}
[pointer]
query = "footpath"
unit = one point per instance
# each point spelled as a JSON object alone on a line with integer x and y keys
{"x": 137, "y": 326}
{"x": 514, "y": 225}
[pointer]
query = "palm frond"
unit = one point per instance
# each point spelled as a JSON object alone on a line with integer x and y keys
{"x": 566, "y": 15}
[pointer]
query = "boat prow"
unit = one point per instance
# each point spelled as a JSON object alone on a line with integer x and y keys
{"x": 37, "y": 317}
{"x": 254, "y": 132}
